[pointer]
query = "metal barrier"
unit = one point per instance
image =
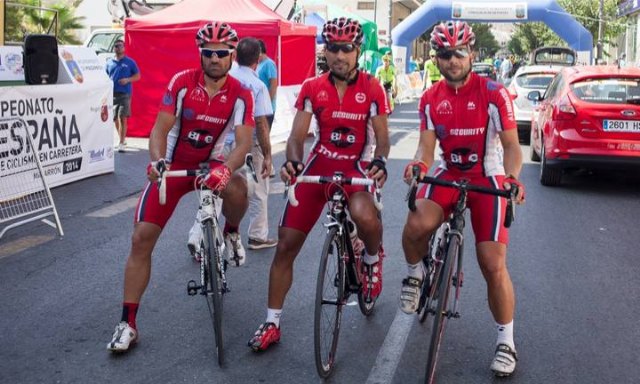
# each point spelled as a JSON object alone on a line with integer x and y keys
{"x": 24, "y": 194}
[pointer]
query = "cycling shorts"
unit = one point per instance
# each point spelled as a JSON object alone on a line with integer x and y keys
{"x": 149, "y": 209}
{"x": 313, "y": 197}
{"x": 487, "y": 211}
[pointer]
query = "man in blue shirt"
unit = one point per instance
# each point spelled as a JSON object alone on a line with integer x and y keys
{"x": 269, "y": 75}
{"x": 123, "y": 71}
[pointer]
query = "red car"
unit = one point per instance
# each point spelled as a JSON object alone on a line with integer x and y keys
{"x": 589, "y": 117}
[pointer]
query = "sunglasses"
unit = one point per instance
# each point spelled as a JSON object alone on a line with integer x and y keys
{"x": 346, "y": 48}
{"x": 459, "y": 53}
{"x": 119, "y": 46}
{"x": 219, "y": 53}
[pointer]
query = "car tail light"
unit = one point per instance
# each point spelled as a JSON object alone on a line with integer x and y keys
{"x": 564, "y": 110}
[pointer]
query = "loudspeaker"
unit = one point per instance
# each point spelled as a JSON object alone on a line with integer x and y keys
{"x": 40, "y": 59}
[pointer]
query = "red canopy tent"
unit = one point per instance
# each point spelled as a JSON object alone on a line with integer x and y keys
{"x": 163, "y": 43}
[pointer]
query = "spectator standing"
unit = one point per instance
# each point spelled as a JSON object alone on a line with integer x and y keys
{"x": 123, "y": 71}
{"x": 505, "y": 69}
{"x": 249, "y": 53}
{"x": 268, "y": 73}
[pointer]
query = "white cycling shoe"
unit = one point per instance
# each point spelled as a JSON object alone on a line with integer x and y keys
{"x": 123, "y": 337}
{"x": 237, "y": 254}
{"x": 504, "y": 362}
{"x": 410, "y": 295}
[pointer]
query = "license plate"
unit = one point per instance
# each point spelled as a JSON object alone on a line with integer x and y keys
{"x": 621, "y": 125}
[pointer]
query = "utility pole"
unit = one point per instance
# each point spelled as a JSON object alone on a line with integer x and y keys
{"x": 390, "y": 14}
{"x": 599, "y": 45}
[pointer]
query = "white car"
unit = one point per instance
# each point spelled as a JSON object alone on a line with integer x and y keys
{"x": 102, "y": 42}
{"x": 547, "y": 62}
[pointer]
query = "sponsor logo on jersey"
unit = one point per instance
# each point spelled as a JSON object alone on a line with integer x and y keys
{"x": 463, "y": 158}
{"x": 361, "y": 97}
{"x": 323, "y": 96}
{"x": 348, "y": 116}
{"x": 333, "y": 154}
{"x": 471, "y": 106}
{"x": 466, "y": 131}
{"x": 441, "y": 131}
{"x": 211, "y": 119}
{"x": 507, "y": 102}
{"x": 199, "y": 138}
{"x": 167, "y": 99}
{"x": 444, "y": 108}
{"x": 223, "y": 98}
{"x": 197, "y": 94}
{"x": 188, "y": 114}
{"x": 342, "y": 137}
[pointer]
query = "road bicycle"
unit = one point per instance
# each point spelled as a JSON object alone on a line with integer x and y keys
{"x": 214, "y": 255}
{"x": 444, "y": 278}
{"x": 340, "y": 272}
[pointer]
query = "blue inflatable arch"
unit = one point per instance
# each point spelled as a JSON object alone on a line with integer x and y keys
{"x": 547, "y": 11}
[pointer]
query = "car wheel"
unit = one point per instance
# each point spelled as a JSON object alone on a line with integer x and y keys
{"x": 533, "y": 155}
{"x": 549, "y": 177}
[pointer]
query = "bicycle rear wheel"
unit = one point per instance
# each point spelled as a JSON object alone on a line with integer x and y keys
{"x": 445, "y": 288}
{"x": 213, "y": 289}
{"x": 329, "y": 302}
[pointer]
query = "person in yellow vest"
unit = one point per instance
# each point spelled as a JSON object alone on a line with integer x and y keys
{"x": 386, "y": 74}
{"x": 431, "y": 71}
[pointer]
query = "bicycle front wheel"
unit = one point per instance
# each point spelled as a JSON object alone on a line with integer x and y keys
{"x": 213, "y": 288}
{"x": 444, "y": 290}
{"x": 329, "y": 302}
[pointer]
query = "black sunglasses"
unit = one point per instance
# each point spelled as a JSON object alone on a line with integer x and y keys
{"x": 346, "y": 48}
{"x": 460, "y": 53}
{"x": 220, "y": 53}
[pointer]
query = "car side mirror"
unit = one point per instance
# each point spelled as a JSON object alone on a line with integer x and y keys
{"x": 534, "y": 96}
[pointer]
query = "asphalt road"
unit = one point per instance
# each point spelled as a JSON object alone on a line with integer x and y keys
{"x": 573, "y": 259}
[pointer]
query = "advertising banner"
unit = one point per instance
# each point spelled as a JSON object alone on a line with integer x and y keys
{"x": 72, "y": 130}
{"x": 11, "y": 63}
{"x": 488, "y": 10}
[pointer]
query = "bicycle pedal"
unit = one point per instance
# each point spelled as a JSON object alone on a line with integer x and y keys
{"x": 192, "y": 288}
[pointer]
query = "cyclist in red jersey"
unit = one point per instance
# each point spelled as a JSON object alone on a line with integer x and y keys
{"x": 351, "y": 109}
{"x": 199, "y": 108}
{"x": 473, "y": 119}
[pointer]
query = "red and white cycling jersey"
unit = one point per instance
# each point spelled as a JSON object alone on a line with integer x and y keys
{"x": 202, "y": 121}
{"x": 467, "y": 122}
{"x": 344, "y": 130}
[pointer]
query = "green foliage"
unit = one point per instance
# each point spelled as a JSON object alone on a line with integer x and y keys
{"x": 21, "y": 21}
{"x": 486, "y": 43}
{"x": 529, "y": 36}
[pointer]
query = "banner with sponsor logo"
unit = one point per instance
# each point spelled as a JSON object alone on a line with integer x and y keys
{"x": 71, "y": 126}
{"x": 489, "y": 10}
{"x": 11, "y": 63}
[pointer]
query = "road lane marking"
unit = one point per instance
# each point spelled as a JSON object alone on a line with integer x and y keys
{"x": 114, "y": 209}
{"x": 400, "y": 120}
{"x": 21, "y": 244}
{"x": 391, "y": 350}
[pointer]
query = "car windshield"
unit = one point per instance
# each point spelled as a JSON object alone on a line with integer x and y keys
{"x": 534, "y": 80}
{"x": 554, "y": 55}
{"x": 103, "y": 42}
{"x": 609, "y": 90}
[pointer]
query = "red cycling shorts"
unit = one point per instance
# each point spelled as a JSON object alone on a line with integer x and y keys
{"x": 149, "y": 209}
{"x": 313, "y": 197}
{"x": 487, "y": 211}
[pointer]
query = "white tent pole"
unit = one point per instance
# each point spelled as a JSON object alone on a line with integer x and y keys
{"x": 279, "y": 60}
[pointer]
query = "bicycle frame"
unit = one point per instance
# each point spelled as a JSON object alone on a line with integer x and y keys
{"x": 445, "y": 274}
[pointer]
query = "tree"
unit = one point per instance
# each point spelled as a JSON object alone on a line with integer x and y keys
{"x": 534, "y": 35}
{"x": 486, "y": 43}
{"x": 67, "y": 21}
{"x": 21, "y": 20}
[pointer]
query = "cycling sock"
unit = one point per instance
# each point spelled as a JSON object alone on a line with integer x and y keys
{"x": 129, "y": 312}
{"x": 416, "y": 270}
{"x": 229, "y": 228}
{"x": 505, "y": 334}
{"x": 273, "y": 316}
{"x": 370, "y": 259}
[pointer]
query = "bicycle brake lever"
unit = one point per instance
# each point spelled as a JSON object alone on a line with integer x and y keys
{"x": 248, "y": 161}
